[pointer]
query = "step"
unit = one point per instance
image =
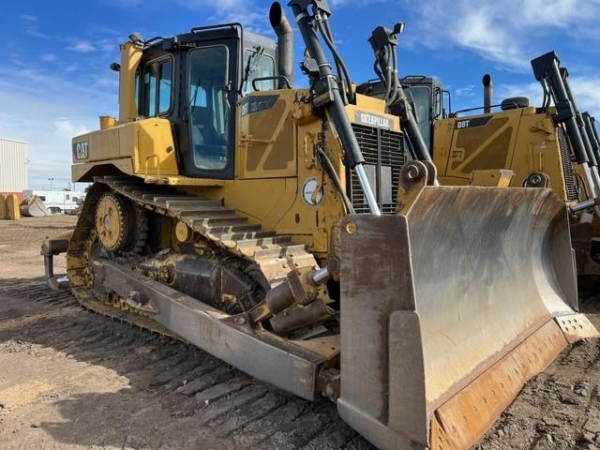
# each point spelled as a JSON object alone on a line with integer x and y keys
{"x": 139, "y": 188}
{"x": 190, "y": 216}
{"x": 185, "y": 202}
{"x": 122, "y": 184}
{"x": 218, "y": 220}
{"x": 280, "y": 251}
{"x": 199, "y": 205}
{"x": 246, "y": 235}
{"x": 215, "y": 231}
{"x": 161, "y": 198}
{"x": 209, "y": 224}
{"x": 261, "y": 242}
{"x": 145, "y": 195}
{"x": 250, "y": 247}
{"x": 112, "y": 178}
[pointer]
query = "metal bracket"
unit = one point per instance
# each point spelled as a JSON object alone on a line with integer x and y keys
{"x": 51, "y": 248}
{"x": 537, "y": 180}
{"x": 319, "y": 5}
{"x": 414, "y": 176}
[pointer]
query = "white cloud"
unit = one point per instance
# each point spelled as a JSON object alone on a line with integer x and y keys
{"x": 505, "y": 31}
{"x": 466, "y": 91}
{"x": 66, "y": 129}
{"x": 83, "y": 47}
{"x": 108, "y": 81}
{"x": 108, "y": 46}
{"x": 48, "y": 57}
{"x": 533, "y": 91}
{"x": 224, "y": 11}
{"x": 71, "y": 68}
{"x": 47, "y": 126}
{"x": 555, "y": 13}
{"x": 46, "y": 112}
{"x": 126, "y": 3}
{"x": 585, "y": 89}
{"x": 340, "y": 3}
{"x": 15, "y": 59}
{"x": 27, "y": 18}
{"x": 30, "y": 24}
{"x": 246, "y": 12}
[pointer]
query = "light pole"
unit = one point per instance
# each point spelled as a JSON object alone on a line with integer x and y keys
{"x": 50, "y": 179}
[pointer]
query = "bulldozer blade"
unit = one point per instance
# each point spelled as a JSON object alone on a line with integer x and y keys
{"x": 449, "y": 308}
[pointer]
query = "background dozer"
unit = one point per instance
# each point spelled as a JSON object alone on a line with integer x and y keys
{"x": 290, "y": 233}
{"x": 514, "y": 144}
{"x": 554, "y": 146}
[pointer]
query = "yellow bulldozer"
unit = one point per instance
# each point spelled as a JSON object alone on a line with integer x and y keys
{"x": 554, "y": 146}
{"x": 291, "y": 233}
{"x": 518, "y": 145}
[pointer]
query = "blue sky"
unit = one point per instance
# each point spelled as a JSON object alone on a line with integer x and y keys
{"x": 55, "y": 80}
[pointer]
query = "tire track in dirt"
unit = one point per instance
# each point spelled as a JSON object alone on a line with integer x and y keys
{"x": 180, "y": 397}
{"x": 219, "y": 406}
{"x": 560, "y": 408}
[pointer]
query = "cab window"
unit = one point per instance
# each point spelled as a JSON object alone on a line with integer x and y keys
{"x": 422, "y": 104}
{"x": 157, "y": 87}
{"x": 209, "y": 107}
{"x": 257, "y": 65}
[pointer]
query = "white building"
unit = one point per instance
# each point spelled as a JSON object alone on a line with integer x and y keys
{"x": 13, "y": 167}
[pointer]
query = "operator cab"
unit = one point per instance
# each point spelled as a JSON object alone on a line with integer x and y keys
{"x": 195, "y": 80}
{"x": 424, "y": 93}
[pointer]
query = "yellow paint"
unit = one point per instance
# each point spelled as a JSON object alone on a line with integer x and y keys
{"x": 274, "y": 158}
{"x": 3, "y": 212}
{"x": 519, "y": 140}
{"x": 266, "y": 139}
{"x": 131, "y": 55}
{"x": 145, "y": 148}
{"x": 12, "y": 207}
{"x": 371, "y": 105}
{"x": 107, "y": 122}
{"x": 154, "y": 148}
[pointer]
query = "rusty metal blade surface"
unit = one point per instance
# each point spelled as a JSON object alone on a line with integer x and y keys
{"x": 442, "y": 305}
{"x": 490, "y": 266}
{"x": 460, "y": 422}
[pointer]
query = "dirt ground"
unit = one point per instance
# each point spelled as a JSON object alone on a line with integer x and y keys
{"x": 71, "y": 379}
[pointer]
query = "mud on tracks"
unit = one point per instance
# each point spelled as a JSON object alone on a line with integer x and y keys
{"x": 71, "y": 379}
{"x": 74, "y": 379}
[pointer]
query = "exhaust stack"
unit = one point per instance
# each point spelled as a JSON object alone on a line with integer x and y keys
{"x": 487, "y": 93}
{"x": 285, "y": 43}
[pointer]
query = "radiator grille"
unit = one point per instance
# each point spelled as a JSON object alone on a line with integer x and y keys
{"x": 384, "y": 155}
{"x": 567, "y": 163}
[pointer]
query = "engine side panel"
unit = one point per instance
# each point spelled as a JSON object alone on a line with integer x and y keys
{"x": 144, "y": 148}
{"x": 521, "y": 140}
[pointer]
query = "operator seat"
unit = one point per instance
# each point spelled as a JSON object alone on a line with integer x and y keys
{"x": 204, "y": 125}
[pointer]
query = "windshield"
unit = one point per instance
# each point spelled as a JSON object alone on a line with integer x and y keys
{"x": 209, "y": 108}
{"x": 421, "y": 95}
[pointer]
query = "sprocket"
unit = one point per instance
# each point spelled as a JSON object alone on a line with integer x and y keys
{"x": 120, "y": 224}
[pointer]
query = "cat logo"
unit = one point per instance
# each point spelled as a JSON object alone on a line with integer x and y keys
{"x": 81, "y": 151}
{"x": 373, "y": 120}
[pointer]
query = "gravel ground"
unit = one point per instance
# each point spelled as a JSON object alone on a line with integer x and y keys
{"x": 71, "y": 379}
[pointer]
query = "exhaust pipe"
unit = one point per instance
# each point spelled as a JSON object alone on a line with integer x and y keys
{"x": 285, "y": 43}
{"x": 487, "y": 93}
